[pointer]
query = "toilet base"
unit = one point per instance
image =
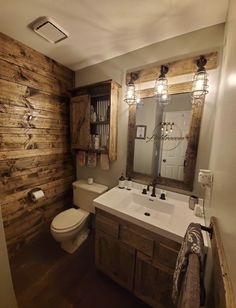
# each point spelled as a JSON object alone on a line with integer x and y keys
{"x": 72, "y": 245}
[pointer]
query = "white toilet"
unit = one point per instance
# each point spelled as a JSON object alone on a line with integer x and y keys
{"x": 70, "y": 227}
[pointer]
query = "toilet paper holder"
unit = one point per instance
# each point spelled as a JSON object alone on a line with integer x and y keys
{"x": 31, "y": 194}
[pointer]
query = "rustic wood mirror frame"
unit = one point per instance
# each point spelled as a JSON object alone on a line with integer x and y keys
{"x": 180, "y": 67}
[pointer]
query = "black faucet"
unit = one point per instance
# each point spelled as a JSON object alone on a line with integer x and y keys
{"x": 154, "y": 183}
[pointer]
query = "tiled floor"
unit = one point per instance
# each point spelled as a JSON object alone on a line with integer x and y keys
{"x": 47, "y": 277}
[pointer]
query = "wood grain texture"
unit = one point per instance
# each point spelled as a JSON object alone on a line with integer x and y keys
{"x": 183, "y": 87}
{"x": 120, "y": 244}
{"x": 81, "y": 128}
{"x": 34, "y": 140}
{"x": 15, "y": 52}
{"x": 176, "y": 68}
{"x": 131, "y": 140}
{"x": 222, "y": 290}
{"x": 115, "y": 259}
{"x": 113, "y": 121}
{"x": 80, "y": 122}
{"x": 152, "y": 284}
{"x": 193, "y": 139}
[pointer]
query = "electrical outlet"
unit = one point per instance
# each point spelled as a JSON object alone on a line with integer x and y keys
{"x": 205, "y": 177}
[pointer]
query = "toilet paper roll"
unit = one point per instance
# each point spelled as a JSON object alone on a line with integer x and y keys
{"x": 36, "y": 195}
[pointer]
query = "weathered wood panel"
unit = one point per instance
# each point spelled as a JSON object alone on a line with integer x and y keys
{"x": 23, "y": 96}
{"x": 12, "y": 120}
{"x": 221, "y": 287}
{"x": 26, "y": 111}
{"x": 14, "y": 210}
{"x": 9, "y": 185}
{"x": 176, "y": 68}
{"x": 24, "y": 165}
{"x": 80, "y": 122}
{"x": 183, "y": 87}
{"x": 15, "y": 73}
{"x": 113, "y": 121}
{"x": 34, "y": 140}
{"x": 22, "y": 55}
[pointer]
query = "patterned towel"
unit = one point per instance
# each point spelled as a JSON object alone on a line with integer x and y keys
{"x": 192, "y": 244}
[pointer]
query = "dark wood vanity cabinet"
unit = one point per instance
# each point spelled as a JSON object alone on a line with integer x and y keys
{"x": 115, "y": 259}
{"x": 152, "y": 284}
{"x": 139, "y": 260}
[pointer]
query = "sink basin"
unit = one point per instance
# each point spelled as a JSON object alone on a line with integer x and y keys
{"x": 169, "y": 217}
{"x": 147, "y": 202}
{"x": 147, "y": 208}
{"x": 136, "y": 205}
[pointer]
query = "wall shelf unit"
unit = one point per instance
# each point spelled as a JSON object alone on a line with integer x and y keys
{"x": 94, "y": 111}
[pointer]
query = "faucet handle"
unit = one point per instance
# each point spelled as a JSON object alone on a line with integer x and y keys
{"x": 163, "y": 195}
{"x": 144, "y": 192}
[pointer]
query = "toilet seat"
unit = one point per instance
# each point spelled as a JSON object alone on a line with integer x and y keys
{"x": 68, "y": 220}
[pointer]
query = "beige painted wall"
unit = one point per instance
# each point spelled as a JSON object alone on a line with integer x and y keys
{"x": 223, "y": 153}
{"x": 7, "y": 295}
{"x": 195, "y": 43}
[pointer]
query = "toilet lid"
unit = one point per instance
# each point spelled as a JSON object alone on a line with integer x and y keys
{"x": 68, "y": 219}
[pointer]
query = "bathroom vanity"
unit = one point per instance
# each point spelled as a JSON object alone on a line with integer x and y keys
{"x": 138, "y": 239}
{"x": 139, "y": 260}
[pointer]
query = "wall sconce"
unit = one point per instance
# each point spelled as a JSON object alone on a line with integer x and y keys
{"x": 131, "y": 96}
{"x": 200, "y": 80}
{"x": 161, "y": 87}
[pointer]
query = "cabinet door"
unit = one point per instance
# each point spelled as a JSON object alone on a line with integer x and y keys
{"x": 80, "y": 122}
{"x": 115, "y": 259}
{"x": 152, "y": 284}
{"x": 113, "y": 121}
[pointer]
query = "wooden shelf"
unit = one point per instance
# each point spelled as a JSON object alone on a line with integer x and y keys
{"x": 100, "y": 151}
{"x": 100, "y": 122}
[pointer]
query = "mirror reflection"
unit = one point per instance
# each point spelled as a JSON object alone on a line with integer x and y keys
{"x": 162, "y": 137}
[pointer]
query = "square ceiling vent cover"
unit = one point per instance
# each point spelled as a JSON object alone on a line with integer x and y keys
{"x": 49, "y": 30}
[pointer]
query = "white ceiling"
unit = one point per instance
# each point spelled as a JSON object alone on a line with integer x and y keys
{"x": 103, "y": 29}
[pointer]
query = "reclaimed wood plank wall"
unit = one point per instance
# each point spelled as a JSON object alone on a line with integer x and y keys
{"x": 34, "y": 140}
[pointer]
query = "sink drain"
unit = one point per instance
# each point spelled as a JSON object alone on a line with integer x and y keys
{"x": 147, "y": 214}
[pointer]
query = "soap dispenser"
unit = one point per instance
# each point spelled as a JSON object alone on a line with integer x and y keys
{"x": 129, "y": 183}
{"x": 121, "y": 181}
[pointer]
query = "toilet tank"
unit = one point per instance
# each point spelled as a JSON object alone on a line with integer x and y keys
{"x": 84, "y": 194}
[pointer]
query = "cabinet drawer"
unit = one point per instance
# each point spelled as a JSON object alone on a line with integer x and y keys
{"x": 107, "y": 225}
{"x": 137, "y": 240}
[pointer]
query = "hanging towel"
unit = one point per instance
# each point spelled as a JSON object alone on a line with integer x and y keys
{"x": 104, "y": 162}
{"x": 192, "y": 244}
{"x": 190, "y": 291}
{"x": 92, "y": 160}
{"x": 81, "y": 158}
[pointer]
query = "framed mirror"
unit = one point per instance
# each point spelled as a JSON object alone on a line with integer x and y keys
{"x": 163, "y": 142}
{"x": 168, "y": 147}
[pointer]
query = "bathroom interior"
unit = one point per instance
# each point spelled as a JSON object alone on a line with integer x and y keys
{"x": 117, "y": 154}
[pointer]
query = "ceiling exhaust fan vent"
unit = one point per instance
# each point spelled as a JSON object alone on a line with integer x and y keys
{"x": 49, "y": 30}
